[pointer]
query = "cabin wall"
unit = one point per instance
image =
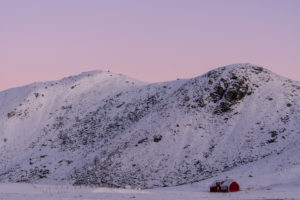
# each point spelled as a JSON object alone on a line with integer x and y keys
{"x": 234, "y": 187}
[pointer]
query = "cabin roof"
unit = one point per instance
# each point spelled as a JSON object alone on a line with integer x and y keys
{"x": 214, "y": 184}
{"x": 226, "y": 182}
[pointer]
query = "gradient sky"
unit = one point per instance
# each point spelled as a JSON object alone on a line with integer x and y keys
{"x": 154, "y": 40}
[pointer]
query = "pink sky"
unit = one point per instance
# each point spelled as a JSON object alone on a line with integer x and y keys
{"x": 155, "y": 40}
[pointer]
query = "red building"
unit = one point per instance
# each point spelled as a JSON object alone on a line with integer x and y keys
{"x": 226, "y": 185}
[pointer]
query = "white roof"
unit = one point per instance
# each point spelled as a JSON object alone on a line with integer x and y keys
{"x": 214, "y": 184}
{"x": 226, "y": 182}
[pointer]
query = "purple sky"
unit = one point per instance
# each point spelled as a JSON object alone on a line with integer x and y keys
{"x": 154, "y": 40}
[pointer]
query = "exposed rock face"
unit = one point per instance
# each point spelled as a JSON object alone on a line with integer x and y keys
{"x": 103, "y": 128}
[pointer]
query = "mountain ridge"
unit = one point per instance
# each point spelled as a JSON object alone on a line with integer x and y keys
{"x": 119, "y": 131}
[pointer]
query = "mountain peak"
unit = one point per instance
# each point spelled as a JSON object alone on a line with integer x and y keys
{"x": 240, "y": 68}
{"x": 98, "y": 76}
{"x": 251, "y": 73}
{"x": 89, "y": 74}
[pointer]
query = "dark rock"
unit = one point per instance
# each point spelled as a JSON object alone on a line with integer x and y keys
{"x": 157, "y": 138}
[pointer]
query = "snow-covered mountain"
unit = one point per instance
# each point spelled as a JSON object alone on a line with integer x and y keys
{"x": 104, "y": 128}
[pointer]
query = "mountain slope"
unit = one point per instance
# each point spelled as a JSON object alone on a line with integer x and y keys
{"x": 103, "y": 128}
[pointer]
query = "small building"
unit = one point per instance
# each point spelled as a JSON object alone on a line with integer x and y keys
{"x": 226, "y": 185}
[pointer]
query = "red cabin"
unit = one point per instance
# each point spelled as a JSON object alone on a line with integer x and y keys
{"x": 226, "y": 185}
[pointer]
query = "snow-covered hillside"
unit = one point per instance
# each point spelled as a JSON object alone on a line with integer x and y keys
{"x": 108, "y": 129}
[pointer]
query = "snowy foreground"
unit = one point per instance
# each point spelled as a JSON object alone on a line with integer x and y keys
{"x": 195, "y": 191}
